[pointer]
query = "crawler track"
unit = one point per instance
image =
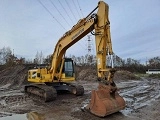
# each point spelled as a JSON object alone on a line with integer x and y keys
{"x": 41, "y": 92}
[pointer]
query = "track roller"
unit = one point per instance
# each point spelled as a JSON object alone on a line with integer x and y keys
{"x": 78, "y": 90}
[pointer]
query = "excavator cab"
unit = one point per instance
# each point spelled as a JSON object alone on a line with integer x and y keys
{"x": 67, "y": 73}
{"x": 68, "y": 67}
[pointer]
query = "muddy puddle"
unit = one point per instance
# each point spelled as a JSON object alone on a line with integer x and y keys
{"x": 15, "y": 117}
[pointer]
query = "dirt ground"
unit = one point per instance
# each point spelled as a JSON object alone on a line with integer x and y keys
{"x": 142, "y": 98}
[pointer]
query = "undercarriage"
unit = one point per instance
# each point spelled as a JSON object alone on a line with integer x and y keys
{"x": 48, "y": 91}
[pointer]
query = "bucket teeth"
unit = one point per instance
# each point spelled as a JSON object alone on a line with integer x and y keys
{"x": 105, "y": 101}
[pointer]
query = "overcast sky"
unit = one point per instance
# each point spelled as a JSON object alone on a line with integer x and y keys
{"x": 27, "y": 27}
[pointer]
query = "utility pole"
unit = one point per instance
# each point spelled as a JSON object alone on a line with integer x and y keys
{"x": 89, "y": 45}
{"x": 89, "y": 49}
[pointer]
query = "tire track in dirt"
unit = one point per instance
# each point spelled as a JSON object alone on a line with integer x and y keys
{"x": 142, "y": 94}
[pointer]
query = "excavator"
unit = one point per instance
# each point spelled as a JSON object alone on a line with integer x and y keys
{"x": 46, "y": 82}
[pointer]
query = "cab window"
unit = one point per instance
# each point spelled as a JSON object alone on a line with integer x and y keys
{"x": 34, "y": 75}
{"x": 68, "y": 68}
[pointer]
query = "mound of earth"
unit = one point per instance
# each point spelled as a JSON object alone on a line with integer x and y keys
{"x": 13, "y": 77}
{"x": 90, "y": 73}
{"x": 86, "y": 73}
{"x": 125, "y": 75}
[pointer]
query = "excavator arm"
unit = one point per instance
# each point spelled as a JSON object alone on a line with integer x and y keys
{"x": 98, "y": 22}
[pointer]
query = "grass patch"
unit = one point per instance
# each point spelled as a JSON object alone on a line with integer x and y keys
{"x": 156, "y": 76}
{"x": 141, "y": 75}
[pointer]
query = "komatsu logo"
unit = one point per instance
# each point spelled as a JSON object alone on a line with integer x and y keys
{"x": 77, "y": 34}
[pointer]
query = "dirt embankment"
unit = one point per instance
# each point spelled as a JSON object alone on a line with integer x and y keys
{"x": 13, "y": 77}
{"x": 90, "y": 73}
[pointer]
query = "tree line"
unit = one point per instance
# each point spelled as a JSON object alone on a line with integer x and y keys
{"x": 7, "y": 58}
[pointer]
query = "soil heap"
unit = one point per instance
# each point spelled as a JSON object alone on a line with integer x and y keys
{"x": 16, "y": 76}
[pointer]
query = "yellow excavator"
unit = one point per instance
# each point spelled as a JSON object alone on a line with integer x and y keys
{"x": 47, "y": 82}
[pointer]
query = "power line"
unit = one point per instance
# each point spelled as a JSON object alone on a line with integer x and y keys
{"x": 54, "y": 17}
{"x": 60, "y": 13}
{"x": 65, "y": 11}
{"x": 76, "y": 8}
{"x": 80, "y": 9}
{"x": 50, "y": 13}
{"x": 71, "y": 10}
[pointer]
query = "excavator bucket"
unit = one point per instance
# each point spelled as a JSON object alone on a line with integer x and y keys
{"x": 105, "y": 101}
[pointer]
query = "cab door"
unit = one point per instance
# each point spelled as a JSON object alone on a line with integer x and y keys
{"x": 68, "y": 68}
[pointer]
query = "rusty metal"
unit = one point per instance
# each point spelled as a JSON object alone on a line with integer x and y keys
{"x": 105, "y": 101}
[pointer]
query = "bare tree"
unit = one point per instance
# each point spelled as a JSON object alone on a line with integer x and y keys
{"x": 48, "y": 59}
{"x": 5, "y": 55}
{"x": 39, "y": 58}
{"x": 154, "y": 62}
